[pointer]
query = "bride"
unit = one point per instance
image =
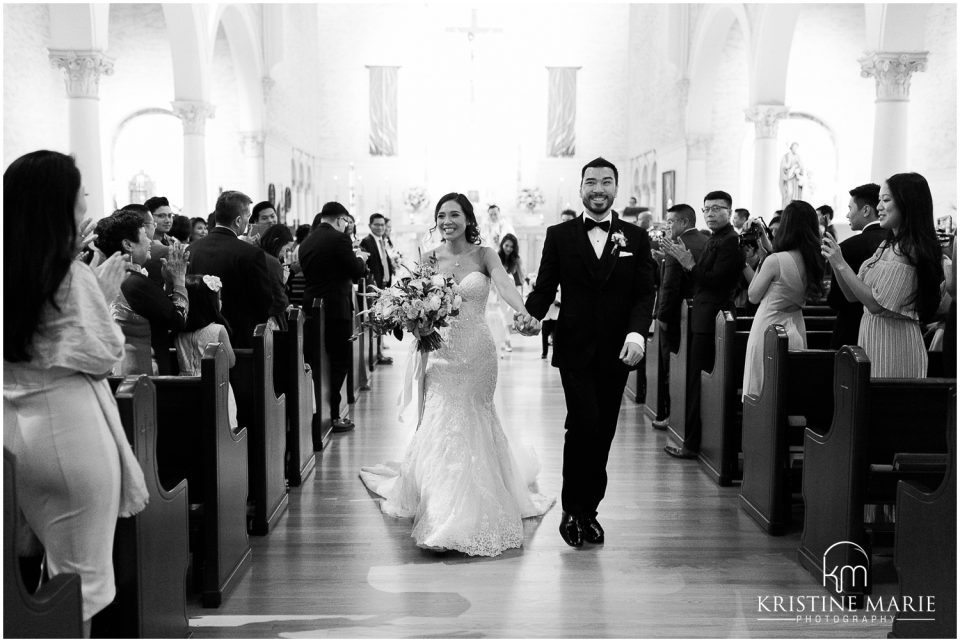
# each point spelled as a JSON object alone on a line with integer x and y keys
{"x": 460, "y": 481}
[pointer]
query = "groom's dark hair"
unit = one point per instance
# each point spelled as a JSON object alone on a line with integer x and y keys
{"x": 600, "y": 161}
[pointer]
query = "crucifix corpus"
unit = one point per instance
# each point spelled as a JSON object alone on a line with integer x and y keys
{"x": 472, "y": 30}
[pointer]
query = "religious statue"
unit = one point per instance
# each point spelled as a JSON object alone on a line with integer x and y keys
{"x": 792, "y": 177}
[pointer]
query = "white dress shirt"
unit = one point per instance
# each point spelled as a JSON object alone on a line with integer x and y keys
{"x": 598, "y": 238}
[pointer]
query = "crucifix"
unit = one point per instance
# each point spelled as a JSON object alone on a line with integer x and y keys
{"x": 472, "y": 30}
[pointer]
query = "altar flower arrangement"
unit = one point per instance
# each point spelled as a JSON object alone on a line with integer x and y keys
{"x": 415, "y": 197}
{"x": 530, "y": 198}
{"x": 419, "y": 304}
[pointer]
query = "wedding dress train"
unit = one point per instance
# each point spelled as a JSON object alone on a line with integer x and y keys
{"x": 460, "y": 480}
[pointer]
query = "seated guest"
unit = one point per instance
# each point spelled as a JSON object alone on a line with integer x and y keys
{"x": 205, "y": 324}
{"x": 247, "y": 294}
{"x": 159, "y": 206}
{"x": 899, "y": 286}
{"x": 75, "y": 470}
{"x": 788, "y": 277}
{"x": 715, "y": 277}
{"x": 180, "y": 229}
{"x": 277, "y": 243}
{"x": 146, "y": 313}
{"x": 198, "y": 228}
{"x": 862, "y": 215}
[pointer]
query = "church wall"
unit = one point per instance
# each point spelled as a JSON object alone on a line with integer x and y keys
{"x": 933, "y": 110}
{"x": 824, "y": 81}
{"x": 34, "y": 94}
{"x": 224, "y": 154}
{"x": 728, "y": 129}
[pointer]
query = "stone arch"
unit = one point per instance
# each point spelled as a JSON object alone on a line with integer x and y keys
{"x": 239, "y": 25}
{"x": 710, "y": 35}
{"x": 770, "y": 52}
{"x": 190, "y": 49}
{"x": 895, "y": 27}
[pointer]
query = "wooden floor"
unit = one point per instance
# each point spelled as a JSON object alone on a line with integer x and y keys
{"x": 681, "y": 559}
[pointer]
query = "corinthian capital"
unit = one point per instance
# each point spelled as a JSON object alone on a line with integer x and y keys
{"x": 765, "y": 118}
{"x": 251, "y": 144}
{"x": 892, "y": 71}
{"x": 194, "y": 114}
{"x": 82, "y": 70}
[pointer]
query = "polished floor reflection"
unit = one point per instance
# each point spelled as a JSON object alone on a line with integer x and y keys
{"x": 681, "y": 559}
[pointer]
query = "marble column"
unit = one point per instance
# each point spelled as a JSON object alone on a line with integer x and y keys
{"x": 82, "y": 71}
{"x": 892, "y": 72}
{"x": 251, "y": 146}
{"x": 766, "y": 198}
{"x": 194, "y": 114}
{"x": 695, "y": 185}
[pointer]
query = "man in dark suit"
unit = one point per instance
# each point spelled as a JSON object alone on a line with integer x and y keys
{"x": 330, "y": 267}
{"x": 375, "y": 244}
{"x": 862, "y": 214}
{"x": 246, "y": 295}
{"x": 605, "y": 271}
{"x": 676, "y": 286}
{"x": 715, "y": 278}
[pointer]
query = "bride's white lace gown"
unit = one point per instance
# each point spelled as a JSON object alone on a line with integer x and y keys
{"x": 460, "y": 480}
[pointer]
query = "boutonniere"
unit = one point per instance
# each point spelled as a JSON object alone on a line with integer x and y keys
{"x": 619, "y": 239}
{"x": 143, "y": 271}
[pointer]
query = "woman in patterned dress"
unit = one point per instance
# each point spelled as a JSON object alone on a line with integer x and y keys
{"x": 900, "y": 285}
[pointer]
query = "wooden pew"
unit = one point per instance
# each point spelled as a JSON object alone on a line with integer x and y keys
{"x": 315, "y": 353}
{"x": 150, "y": 549}
{"x": 679, "y": 362}
{"x": 719, "y": 405}
{"x": 195, "y": 440}
{"x": 264, "y": 415}
{"x": 54, "y": 611}
{"x": 796, "y": 383}
{"x": 929, "y": 568}
{"x": 649, "y": 400}
{"x": 294, "y": 380}
{"x": 852, "y": 465}
{"x": 361, "y": 360}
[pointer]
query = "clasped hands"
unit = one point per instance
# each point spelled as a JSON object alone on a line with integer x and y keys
{"x": 525, "y": 324}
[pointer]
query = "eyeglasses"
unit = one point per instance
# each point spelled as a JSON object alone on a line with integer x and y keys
{"x": 714, "y": 209}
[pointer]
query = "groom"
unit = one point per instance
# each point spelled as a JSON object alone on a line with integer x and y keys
{"x": 605, "y": 271}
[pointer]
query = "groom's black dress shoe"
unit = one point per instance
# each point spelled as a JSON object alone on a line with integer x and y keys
{"x": 571, "y": 531}
{"x": 592, "y": 531}
{"x": 679, "y": 453}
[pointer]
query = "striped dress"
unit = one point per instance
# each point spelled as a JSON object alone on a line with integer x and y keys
{"x": 892, "y": 339}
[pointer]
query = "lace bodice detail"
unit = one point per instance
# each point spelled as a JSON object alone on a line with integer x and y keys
{"x": 460, "y": 479}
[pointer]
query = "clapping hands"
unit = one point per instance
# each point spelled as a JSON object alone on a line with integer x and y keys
{"x": 526, "y": 324}
{"x": 678, "y": 251}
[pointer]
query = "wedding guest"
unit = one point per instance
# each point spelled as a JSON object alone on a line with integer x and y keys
{"x": 495, "y": 227}
{"x": 715, "y": 277}
{"x": 740, "y": 216}
{"x": 198, "y": 228}
{"x": 790, "y": 275}
{"x": 568, "y": 215}
{"x": 158, "y": 250}
{"x": 205, "y": 324}
{"x": 825, "y": 214}
{"x": 180, "y": 229}
{"x": 330, "y": 266}
{"x": 379, "y": 266}
{"x": 509, "y": 254}
{"x": 863, "y": 218}
{"x": 899, "y": 286}
{"x": 159, "y": 206}
{"x": 75, "y": 471}
{"x": 247, "y": 294}
{"x": 264, "y": 214}
{"x": 277, "y": 244}
{"x": 146, "y": 313}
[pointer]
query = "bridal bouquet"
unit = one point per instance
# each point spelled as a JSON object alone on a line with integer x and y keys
{"x": 420, "y": 304}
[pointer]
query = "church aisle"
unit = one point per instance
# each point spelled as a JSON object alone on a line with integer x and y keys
{"x": 681, "y": 559}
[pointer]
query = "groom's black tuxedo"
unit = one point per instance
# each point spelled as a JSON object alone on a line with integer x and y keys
{"x": 603, "y": 300}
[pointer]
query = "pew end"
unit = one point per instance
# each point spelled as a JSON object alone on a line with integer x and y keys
{"x": 719, "y": 405}
{"x": 53, "y": 611}
{"x": 294, "y": 379}
{"x": 679, "y": 362}
{"x": 873, "y": 420}
{"x": 315, "y": 351}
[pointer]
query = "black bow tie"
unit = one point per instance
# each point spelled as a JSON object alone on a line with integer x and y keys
{"x": 589, "y": 223}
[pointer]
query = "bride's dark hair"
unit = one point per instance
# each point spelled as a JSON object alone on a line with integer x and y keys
{"x": 473, "y": 230}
